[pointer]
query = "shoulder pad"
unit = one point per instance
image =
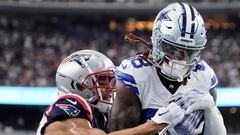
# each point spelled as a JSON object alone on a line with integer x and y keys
{"x": 207, "y": 73}
{"x": 132, "y": 71}
{"x": 135, "y": 67}
{"x": 66, "y": 106}
{"x": 69, "y": 106}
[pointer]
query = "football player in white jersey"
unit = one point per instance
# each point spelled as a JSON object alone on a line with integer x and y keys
{"x": 169, "y": 71}
{"x": 85, "y": 82}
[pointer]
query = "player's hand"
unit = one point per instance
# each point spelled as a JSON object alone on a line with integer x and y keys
{"x": 205, "y": 102}
{"x": 193, "y": 100}
{"x": 189, "y": 123}
{"x": 172, "y": 115}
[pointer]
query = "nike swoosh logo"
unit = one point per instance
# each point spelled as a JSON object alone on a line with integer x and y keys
{"x": 73, "y": 102}
{"x": 162, "y": 113}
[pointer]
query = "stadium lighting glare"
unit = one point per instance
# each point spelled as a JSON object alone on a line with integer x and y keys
{"x": 27, "y": 95}
{"x": 226, "y": 97}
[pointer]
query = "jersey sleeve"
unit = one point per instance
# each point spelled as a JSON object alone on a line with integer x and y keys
{"x": 67, "y": 106}
{"x": 129, "y": 73}
{"x": 212, "y": 76}
{"x": 208, "y": 73}
{"x": 214, "y": 80}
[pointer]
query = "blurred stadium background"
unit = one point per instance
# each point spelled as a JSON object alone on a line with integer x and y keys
{"x": 36, "y": 34}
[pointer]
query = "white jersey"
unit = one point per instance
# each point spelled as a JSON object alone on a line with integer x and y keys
{"x": 142, "y": 79}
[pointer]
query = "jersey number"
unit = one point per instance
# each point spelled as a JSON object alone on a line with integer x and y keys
{"x": 139, "y": 63}
{"x": 199, "y": 67}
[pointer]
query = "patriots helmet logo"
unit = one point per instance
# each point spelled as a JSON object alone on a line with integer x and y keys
{"x": 71, "y": 110}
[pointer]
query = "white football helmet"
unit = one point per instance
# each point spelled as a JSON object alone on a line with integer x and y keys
{"x": 89, "y": 74}
{"x": 178, "y": 38}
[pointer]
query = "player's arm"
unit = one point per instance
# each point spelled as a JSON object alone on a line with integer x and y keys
{"x": 204, "y": 101}
{"x": 164, "y": 117}
{"x": 73, "y": 126}
{"x": 214, "y": 94}
{"x": 146, "y": 128}
{"x": 214, "y": 123}
{"x": 79, "y": 126}
{"x": 126, "y": 109}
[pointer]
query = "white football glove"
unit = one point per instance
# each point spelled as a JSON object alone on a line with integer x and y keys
{"x": 214, "y": 124}
{"x": 189, "y": 123}
{"x": 172, "y": 115}
{"x": 193, "y": 100}
{"x": 205, "y": 103}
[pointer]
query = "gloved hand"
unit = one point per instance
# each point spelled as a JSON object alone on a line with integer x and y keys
{"x": 172, "y": 115}
{"x": 196, "y": 100}
{"x": 205, "y": 102}
{"x": 193, "y": 100}
{"x": 189, "y": 123}
{"x": 191, "y": 120}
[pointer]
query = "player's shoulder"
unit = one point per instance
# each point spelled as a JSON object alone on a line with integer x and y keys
{"x": 66, "y": 107}
{"x": 69, "y": 106}
{"x": 74, "y": 100}
{"x": 203, "y": 71}
{"x": 135, "y": 67}
{"x": 203, "y": 68}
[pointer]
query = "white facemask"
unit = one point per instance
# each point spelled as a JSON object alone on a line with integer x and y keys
{"x": 175, "y": 69}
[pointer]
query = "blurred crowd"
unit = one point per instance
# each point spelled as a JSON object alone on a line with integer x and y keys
{"x": 126, "y": 1}
{"x": 32, "y": 47}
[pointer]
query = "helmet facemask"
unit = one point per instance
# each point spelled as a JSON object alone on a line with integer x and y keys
{"x": 175, "y": 61}
{"x": 102, "y": 85}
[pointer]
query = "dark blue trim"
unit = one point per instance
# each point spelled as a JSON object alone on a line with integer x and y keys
{"x": 125, "y": 77}
{"x": 133, "y": 57}
{"x": 119, "y": 80}
{"x": 140, "y": 64}
{"x": 213, "y": 80}
{"x": 147, "y": 114}
{"x": 199, "y": 67}
{"x": 184, "y": 21}
{"x": 193, "y": 24}
{"x": 132, "y": 88}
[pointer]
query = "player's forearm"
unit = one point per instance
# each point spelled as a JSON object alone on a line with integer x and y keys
{"x": 143, "y": 129}
{"x": 214, "y": 124}
{"x": 122, "y": 122}
{"x": 124, "y": 118}
{"x": 126, "y": 110}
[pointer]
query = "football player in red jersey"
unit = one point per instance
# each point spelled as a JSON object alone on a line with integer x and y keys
{"x": 86, "y": 85}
